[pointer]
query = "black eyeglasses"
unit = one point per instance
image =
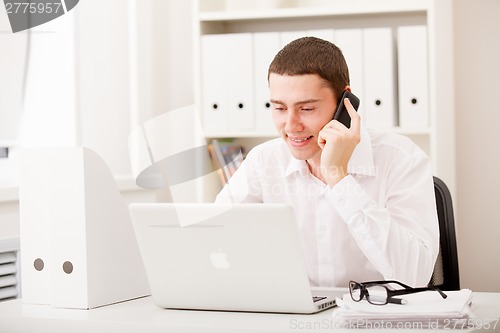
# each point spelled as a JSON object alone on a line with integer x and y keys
{"x": 378, "y": 292}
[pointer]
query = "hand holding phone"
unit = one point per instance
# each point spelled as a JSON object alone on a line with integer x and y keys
{"x": 338, "y": 144}
{"x": 341, "y": 114}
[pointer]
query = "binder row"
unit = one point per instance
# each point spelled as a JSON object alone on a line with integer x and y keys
{"x": 388, "y": 70}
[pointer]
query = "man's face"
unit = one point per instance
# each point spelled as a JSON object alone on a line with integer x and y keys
{"x": 302, "y": 105}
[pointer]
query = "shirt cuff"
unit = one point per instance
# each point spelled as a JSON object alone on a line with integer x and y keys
{"x": 348, "y": 198}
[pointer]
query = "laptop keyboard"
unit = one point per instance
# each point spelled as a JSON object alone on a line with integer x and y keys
{"x": 318, "y": 298}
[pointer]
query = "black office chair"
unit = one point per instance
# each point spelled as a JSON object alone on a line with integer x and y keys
{"x": 445, "y": 275}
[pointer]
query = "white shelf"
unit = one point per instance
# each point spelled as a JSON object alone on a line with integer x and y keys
{"x": 285, "y": 14}
{"x": 396, "y": 129}
{"x": 336, "y": 8}
{"x": 240, "y": 135}
{"x": 437, "y": 139}
{"x": 125, "y": 183}
{"x": 9, "y": 193}
{"x": 412, "y": 131}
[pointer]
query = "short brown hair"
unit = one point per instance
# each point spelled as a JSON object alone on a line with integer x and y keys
{"x": 311, "y": 55}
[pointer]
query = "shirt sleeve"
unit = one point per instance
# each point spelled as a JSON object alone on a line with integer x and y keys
{"x": 398, "y": 231}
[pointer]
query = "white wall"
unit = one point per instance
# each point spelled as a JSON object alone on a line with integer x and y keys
{"x": 9, "y": 219}
{"x": 103, "y": 76}
{"x": 477, "y": 86}
{"x": 12, "y": 70}
{"x": 134, "y": 64}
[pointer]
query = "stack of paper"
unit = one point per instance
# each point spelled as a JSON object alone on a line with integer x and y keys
{"x": 422, "y": 310}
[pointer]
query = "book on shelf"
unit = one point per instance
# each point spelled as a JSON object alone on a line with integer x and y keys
{"x": 4, "y": 152}
{"x": 226, "y": 157}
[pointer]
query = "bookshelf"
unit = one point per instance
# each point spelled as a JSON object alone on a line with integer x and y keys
{"x": 436, "y": 138}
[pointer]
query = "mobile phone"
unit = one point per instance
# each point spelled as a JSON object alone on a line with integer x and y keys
{"x": 341, "y": 114}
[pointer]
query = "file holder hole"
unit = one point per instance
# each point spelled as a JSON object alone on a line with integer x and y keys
{"x": 240, "y": 105}
{"x": 38, "y": 264}
{"x": 413, "y": 101}
{"x": 67, "y": 267}
{"x": 215, "y": 106}
{"x": 268, "y": 105}
{"x": 378, "y": 102}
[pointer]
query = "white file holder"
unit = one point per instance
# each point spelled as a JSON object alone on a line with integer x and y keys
{"x": 413, "y": 77}
{"x": 287, "y": 37}
{"x": 78, "y": 248}
{"x": 350, "y": 41}
{"x": 379, "y": 78}
{"x": 227, "y": 81}
{"x": 265, "y": 47}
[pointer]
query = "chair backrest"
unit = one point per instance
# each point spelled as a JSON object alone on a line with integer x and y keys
{"x": 445, "y": 275}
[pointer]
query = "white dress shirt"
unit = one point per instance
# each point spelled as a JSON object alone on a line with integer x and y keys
{"x": 378, "y": 223}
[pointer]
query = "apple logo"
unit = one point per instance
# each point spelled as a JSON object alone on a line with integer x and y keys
{"x": 219, "y": 259}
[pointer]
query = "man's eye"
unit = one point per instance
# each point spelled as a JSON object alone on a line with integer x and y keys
{"x": 307, "y": 109}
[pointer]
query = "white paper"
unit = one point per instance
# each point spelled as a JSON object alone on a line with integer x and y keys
{"x": 427, "y": 304}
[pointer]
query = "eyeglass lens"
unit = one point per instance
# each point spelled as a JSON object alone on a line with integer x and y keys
{"x": 356, "y": 291}
{"x": 376, "y": 294}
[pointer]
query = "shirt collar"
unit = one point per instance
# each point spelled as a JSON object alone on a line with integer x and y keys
{"x": 361, "y": 161}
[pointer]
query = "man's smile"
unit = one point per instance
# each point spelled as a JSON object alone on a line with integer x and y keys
{"x": 298, "y": 141}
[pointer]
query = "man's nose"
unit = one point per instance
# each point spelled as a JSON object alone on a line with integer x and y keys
{"x": 293, "y": 123}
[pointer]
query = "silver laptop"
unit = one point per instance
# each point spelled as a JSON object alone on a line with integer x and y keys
{"x": 244, "y": 257}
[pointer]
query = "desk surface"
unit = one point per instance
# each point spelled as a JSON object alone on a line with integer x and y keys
{"x": 141, "y": 315}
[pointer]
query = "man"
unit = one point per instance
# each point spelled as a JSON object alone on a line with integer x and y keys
{"x": 364, "y": 201}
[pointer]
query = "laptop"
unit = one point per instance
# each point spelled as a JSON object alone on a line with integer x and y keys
{"x": 243, "y": 257}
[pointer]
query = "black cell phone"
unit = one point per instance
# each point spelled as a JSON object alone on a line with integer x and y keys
{"x": 341, "y": 114}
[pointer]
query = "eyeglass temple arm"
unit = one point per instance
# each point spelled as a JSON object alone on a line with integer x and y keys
{"x": 385, "y": 282}
{"x": 415, "y": 290}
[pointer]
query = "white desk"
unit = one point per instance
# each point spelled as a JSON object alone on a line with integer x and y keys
{"x": 141, "y": 315}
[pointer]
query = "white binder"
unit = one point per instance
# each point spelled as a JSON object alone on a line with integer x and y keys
{"x": 413, "y": 77}
{"x": 350, "y": 42}
{"x": 289, "y": 36}
{"x": 227, "y": 82}
{"x": 379, "y": 78}
{"x": 34, "y": 211}
{"x": 214, "y": 75}
{"x": 266, "y": 46}
{"x": 240, "y": 81}
{"x": 326, "y": 34}
{"x": 78, "y": 248}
